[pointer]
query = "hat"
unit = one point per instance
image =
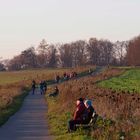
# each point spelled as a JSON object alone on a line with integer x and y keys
{"x": 81, "y": 99}
{"x": 88, "y": 102}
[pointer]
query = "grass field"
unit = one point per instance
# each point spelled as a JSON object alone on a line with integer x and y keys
{"x": 17, "y": 76}
{"x": 119, "y": 111}
{"x": 38, "y": 74}
{"x": 129, "y": 81}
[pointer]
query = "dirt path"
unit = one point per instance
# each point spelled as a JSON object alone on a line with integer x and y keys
{"x": 29, "y": 123}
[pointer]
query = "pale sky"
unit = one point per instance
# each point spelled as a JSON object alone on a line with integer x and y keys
{"x": 26, "y": 22}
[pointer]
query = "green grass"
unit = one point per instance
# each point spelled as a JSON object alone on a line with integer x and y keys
{"x": 58, "y": 124}
{"x": 129, "y": 81}
{"x": 8, "y": 111}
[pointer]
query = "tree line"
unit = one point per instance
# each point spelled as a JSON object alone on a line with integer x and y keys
{"x": 79, "y": 53}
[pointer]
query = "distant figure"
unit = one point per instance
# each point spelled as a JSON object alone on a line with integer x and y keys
{"x": 108, "y": 66}
{"x": 74, "y": 74}
{"x": 44, "y": 86}
{"x": 57, "y": 79}
{"x": 64, "y": 75}
{"x": 41, "y": 87}
{"x": 33, "y": 87}
{"x": 90, "y": 71}
{"x": 55, "y": 93}
{"x": 68, "y": 76}
{"x": 71, "y": 75}
{"x": 78, "y": 115}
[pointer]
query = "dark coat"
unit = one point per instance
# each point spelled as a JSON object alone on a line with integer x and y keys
{"x": 88, "y": 114}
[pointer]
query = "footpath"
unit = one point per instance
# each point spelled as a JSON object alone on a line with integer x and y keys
{"x": 29, "y": 123}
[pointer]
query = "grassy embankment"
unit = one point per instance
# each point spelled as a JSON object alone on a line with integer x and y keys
{"x": 119, "y": 110}
{"x": 58, "y": 122}
{"x": 11, "y": 99}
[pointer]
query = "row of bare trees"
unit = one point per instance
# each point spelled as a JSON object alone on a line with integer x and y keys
{"x": 78, "y": 53}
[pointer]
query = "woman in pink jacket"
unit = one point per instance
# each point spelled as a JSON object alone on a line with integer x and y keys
{"x": 78, "y": 115}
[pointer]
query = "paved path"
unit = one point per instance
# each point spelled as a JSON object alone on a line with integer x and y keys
{"x": 29, "y": 123}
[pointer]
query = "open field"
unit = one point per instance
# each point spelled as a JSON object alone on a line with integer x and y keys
{"x": 119, "y": 110}
{"x": 15, "y": 85}
{"x": 38, "y": 74}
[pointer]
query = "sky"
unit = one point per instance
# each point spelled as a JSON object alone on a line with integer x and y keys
{"x": 24, "y": 23}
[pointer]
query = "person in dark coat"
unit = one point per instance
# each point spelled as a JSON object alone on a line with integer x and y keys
{"x": 45, "y": 86}
{"x": 89, "y": 111}
{"x": 55, "y": 93}
{"x": 33, "y": 86}
{"x": 78, "y": 115}
{"x": 57, "y": 79}
{"x": 41, "y": 87}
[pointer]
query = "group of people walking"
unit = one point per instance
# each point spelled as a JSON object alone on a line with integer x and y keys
{"x": 42, "y": 87}
{"x": 66, "y": 76}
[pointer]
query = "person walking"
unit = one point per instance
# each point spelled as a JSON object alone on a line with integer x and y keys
{"x": 44, "y": 86}
{"x": 33, "y": 87}
{"x": 41, "y": 87}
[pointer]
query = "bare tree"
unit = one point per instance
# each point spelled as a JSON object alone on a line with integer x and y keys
{"x": 79, "y": 53}
{"x": 106, "y": 52}
{"x": 100, "y": 52}
{"x": 2, "y": 67}
{"x": 93, "y": 51}
{"x": 65, "y": 51}
{"x": 42, "y": 54}
{"x": 120, "y": 50}
{"x": 53, "y": 57}
{"x": 28, "y": 58}
{"x": 42, "y": 48}
{"x": 15, "y": 63}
